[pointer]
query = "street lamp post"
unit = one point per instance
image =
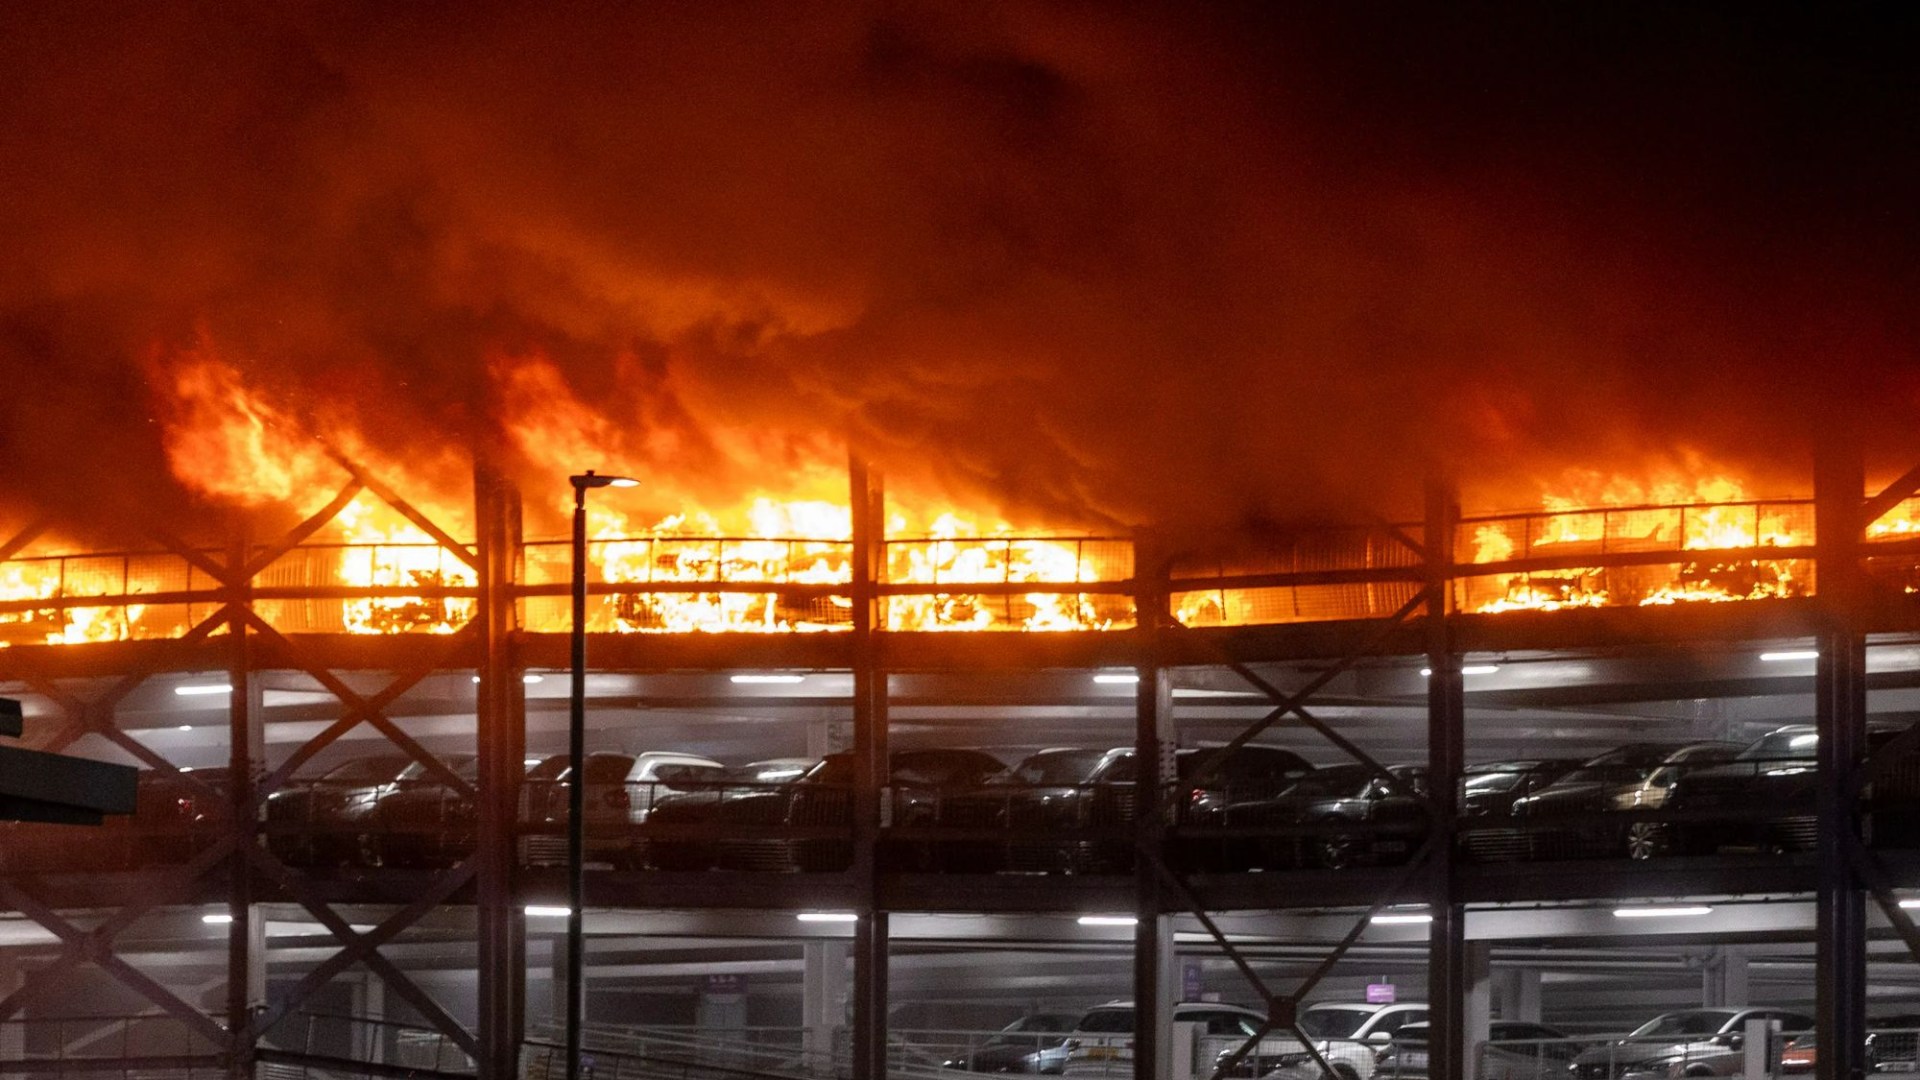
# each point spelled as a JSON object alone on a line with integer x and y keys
{"x": 576, "y": 767}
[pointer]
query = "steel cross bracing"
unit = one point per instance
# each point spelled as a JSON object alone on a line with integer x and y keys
{"x": 1283, "y": 1008}
{"x": 486, "y": 646}
{"x": 247, "y": 1022}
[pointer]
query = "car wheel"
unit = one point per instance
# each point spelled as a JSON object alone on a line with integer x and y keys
{"x": 1646, "y": 840}
{"x": 1334, "y": 852}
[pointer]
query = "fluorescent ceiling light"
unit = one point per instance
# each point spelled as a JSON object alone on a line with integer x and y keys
{"x": 201, "y": 689}
{"x": 1791, "y": 654}
{"x": 528, "y": 763}
{"x": 827, "y": 916}
{"x": 1117, "y": 677}
{"x": 217, "y": 918}
{"x": 530, "y": 679}
{"x": 185, "y": 727}
{"x": 1108, "y": 920}
{"x": 1468, "y": 669}
{"x": 771, "y": 680}
{"x": 547, "y": 911}
{"x": 1910, "y": 904}
{"x": 1401, "y": 918}
{"x": 1661, "y": 912}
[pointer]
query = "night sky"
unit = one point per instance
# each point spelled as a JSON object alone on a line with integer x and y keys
{"x": 1083, "y": 263}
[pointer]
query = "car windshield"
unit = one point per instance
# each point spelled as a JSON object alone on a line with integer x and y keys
{"x": 1341, "y": 781}
{"x": 1107, "y": 1020}
{"x": 1618, "y": 764}
{"x": 1789, "y": 745}
{"x": 1493, "y": 781}
{"x": 687, "y": 777}
{"x": 367, "y": 771}
{"x": 1683, "y": 1023}
{"x": 1333, "y": 1023}
{"x": 1054, "y": 767}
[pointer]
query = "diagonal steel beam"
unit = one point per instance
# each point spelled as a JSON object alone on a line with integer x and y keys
{"x": 360, "y": 709}
{"x": 358, "y": 947}
{"x": 301, "y": 532}
{"x": 19, "y": 541}
{"x": 1289, "y": 703}
{"x": 227, "y": 576}
{"x": 1866, "y": 867}
{"x": 96, "y": 944}
{"x": 393, "y": 498}
{"x": 1890, "y": 496}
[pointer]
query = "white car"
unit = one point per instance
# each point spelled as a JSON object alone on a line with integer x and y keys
{"x": 655, "y": 775}
{"x": 1349, "y": 1035}
{"x": 1101, "y": 1045}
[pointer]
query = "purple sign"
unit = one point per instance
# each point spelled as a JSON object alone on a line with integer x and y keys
{"x": 1379, "y": 993}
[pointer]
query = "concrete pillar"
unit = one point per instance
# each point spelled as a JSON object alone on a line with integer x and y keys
{"x": 1723, "y": 979}
{"x": 823, "y": 999}
{"x": 557, "y": 988}
{"x": 1516, "y": 994}
{"x": 1477, "y": 1012}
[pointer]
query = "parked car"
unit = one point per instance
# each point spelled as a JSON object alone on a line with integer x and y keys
{"x": 655, "y": 775}
{"x": 1514, "y": 1050}
{"x": 1349, "y": 1035}
{"x": 420, "y": 820}
{"x": 1101, "y": 1044}
{"x": 1488, "y": 788}
{"x": 1685, "y": 1043}
{"x": 1036, "y": 1043}
{"x": 176, "y": 816}
{"x": 798, "y": 822}
{"x": 1038, "y": 805}
{"x": 329, "y": 821}
{"x": 609, "y": 803}
{"x": 1210, "y": 786}
{"x": 1778, "y": 774}
{"x": 1571, "y": 816}
{"x": 685, "y": 825}
{"x": 1339, "y": 816}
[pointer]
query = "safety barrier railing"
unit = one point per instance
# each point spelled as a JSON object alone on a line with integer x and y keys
{"x": 156, "y": 1042}
{"x": 333, "y": 1042}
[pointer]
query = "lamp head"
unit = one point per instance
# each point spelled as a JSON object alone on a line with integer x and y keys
{"x": 591, "y": 479}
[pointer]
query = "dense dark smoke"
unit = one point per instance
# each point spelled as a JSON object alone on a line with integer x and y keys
{"x": 1084, "y": 262}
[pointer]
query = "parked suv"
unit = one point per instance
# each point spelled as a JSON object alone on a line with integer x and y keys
{"x": 1349, "y": 1035}
{"x": 1036, "y": 1043}
{"x": 1685, "y": 1043}
{"x": 1102, "y": 1043}
{"x": 609, "y": 800}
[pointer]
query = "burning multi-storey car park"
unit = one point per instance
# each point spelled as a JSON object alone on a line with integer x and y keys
{"x": 1251, "y": 540}
{"x": 395, "y": 697}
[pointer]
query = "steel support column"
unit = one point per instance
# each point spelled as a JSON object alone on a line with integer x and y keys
{"x": 871, "y": 777}
{"x": 501, "y": 747}
{"x": 1447, "y": 970}
{"x": 1841, "y": 712}
{"x": 246, "y": 756}
{"x": 1154, "y": 991}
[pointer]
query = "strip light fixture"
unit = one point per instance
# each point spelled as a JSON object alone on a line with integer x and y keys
{"x": 1654, "y": 912}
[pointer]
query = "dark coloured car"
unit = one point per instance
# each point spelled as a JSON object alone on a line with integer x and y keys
{"x": 1488, "y": 789}
{"x": 1340, "y": 816}
{"x": 328, "y": 821}
{"x": 1514, "y": 1050}
{"x": 1582, "y": 813}
{"x": 797, "y": 822}
{"x": 1022, "y": 819}
{"x": 176, "y": 816}
{"x": 1766, "y": 792}
{"x": 1893, "y": 1044}
{"x": 1032, "y": 1044}
{"x": 608, "y": 824}
{"x": 1685, "y": 1043}
{"x": 1210, "y": 785}
{"x": 421, "y": 820}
